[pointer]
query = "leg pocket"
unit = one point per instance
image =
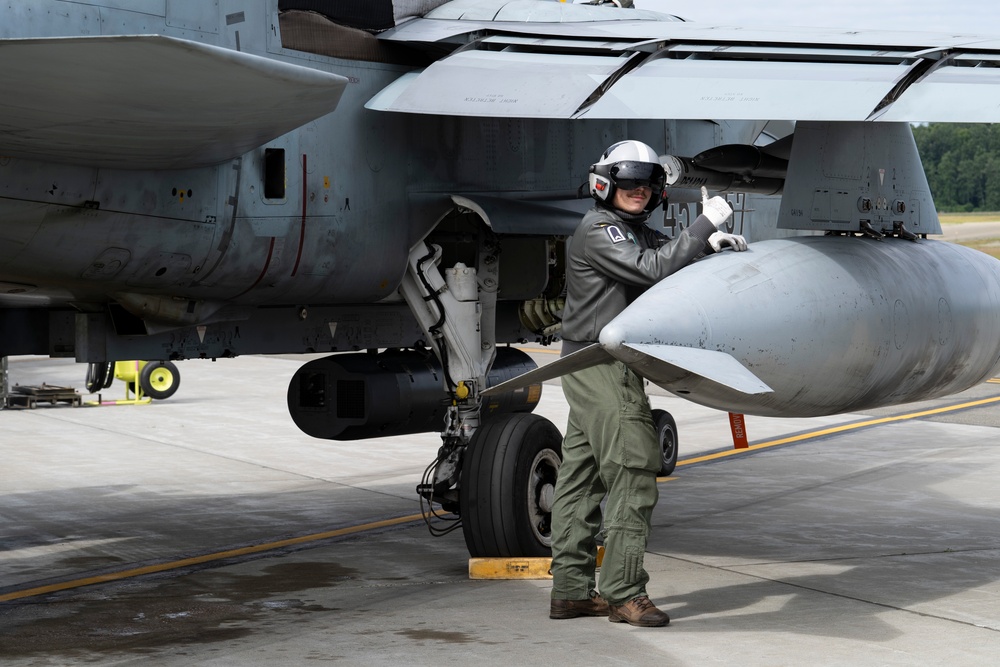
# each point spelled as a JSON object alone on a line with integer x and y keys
{"x": 634, "y": 571}
{"x": 637, "y": 443}
{"x": 639, "y": 447}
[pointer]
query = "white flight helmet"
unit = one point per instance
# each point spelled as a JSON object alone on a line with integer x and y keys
{"x": 627, "y": 165}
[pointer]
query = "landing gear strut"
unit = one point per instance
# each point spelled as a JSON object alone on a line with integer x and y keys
{"x": 497, "y": 473}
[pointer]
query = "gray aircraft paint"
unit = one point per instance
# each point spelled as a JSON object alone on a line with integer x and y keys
{"x": 232, "y": 195}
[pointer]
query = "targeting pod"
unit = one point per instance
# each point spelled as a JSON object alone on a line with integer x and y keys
{"x": 364, "y": 395}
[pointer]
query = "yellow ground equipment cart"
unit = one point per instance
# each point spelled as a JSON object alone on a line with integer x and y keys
{"x": 153, "y": 379}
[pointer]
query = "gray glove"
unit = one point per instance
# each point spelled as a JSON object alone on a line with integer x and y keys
{"x": 715, "y": 209}
{"x": 719, "y": 240}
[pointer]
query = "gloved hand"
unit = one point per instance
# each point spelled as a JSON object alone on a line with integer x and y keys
{"x": 719, "y": 240}
{"x": 715, "y": 209}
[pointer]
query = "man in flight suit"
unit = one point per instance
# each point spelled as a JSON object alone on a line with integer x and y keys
{"x": 610, "y": 446}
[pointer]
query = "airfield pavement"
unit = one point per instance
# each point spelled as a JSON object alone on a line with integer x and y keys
{"x": 207, "y": 530}
{"x": 969, "y": 231}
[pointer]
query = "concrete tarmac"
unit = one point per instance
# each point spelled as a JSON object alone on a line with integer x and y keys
{"x": 960, "y": 232}
{"x": 207, "y": 530}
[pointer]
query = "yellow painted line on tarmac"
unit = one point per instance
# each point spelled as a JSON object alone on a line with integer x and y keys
{"x": 540, "y": 350}
{"x": 207, "y": 558}
{"x": 839, "y": 429}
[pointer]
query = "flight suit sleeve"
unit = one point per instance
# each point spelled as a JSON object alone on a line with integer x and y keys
{"x": 611, "y": 253}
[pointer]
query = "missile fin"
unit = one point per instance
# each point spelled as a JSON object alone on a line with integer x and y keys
{"x": 715, "y": 366}
{"x": 585, "y": 358}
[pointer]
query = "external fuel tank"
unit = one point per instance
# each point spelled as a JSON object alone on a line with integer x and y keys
{"x": 830, "y": 324}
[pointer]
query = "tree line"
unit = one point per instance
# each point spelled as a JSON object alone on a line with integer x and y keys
{"x": 962, "y": 163}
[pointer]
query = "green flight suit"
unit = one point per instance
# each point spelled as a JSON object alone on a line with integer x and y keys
{"x": 610, "y": 448}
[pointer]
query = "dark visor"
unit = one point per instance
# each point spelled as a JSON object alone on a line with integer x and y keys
{"x": 628, "y": 175}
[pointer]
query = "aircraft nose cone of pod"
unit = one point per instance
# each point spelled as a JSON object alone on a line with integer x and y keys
{"x": 670, "y": 314}
{"x": 828, "y": 324}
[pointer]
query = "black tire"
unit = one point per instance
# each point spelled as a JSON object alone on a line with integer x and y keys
{"x": 666, "y": 434}
{"x": 159, "y": 379}
{"x": 100, "y": 375}
{"x": 508, "y": 478}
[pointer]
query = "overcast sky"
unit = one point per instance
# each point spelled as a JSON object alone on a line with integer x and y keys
{"x": 959, "y": 16}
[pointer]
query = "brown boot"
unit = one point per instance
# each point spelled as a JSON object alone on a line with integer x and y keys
{"x": 592, "y": 606}
{"x": 638, "y": 611}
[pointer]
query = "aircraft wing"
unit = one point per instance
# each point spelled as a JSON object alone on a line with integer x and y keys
{"x": 572, "y": 63}
{"x": 149, "y": 102}
{"x": 658, "y": 361}
{"x": 654, "y": 361}
{"x": 585, "y": 358}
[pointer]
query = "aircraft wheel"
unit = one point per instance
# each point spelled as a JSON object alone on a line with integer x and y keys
{"x": 159, "y": 379}
{"x": 99, "y": 376}
{"x": 508, "y": 480}
{"x": 666, "y": 433}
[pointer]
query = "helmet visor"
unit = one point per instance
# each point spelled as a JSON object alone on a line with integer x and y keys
{"x": 629, "y": 175}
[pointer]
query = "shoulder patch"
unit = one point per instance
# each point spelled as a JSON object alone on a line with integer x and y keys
{"x": 615, "y": 234}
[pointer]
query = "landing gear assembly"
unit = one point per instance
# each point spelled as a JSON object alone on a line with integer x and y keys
{"x": 496, "y": 471}
{"x": 494, "y": 475}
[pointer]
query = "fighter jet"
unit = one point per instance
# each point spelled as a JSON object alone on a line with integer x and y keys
{"x": 393, "y": 183}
